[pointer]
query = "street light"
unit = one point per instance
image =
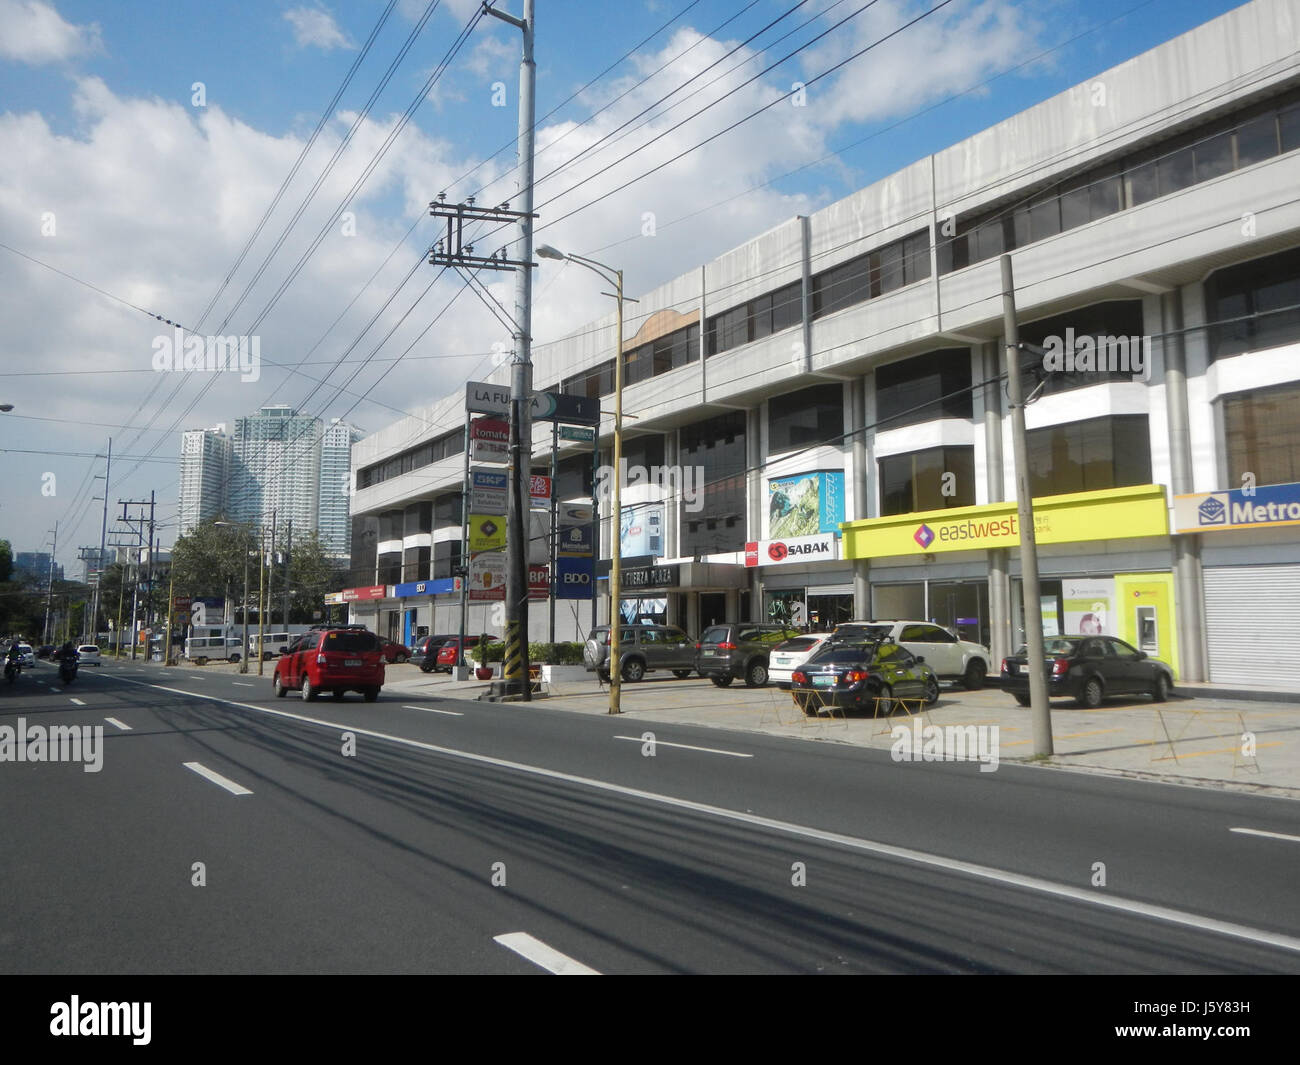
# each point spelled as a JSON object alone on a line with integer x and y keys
{"x": 247, "y": 529}
{"x": 603, "y": 271}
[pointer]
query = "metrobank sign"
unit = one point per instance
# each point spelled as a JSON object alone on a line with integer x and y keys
{"x": 1114, "y": 514}
{"x": 1238, "y": 508}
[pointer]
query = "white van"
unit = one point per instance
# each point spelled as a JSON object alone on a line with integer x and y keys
{"x": 273, "y": 644}
{"x": 201, "y": 649}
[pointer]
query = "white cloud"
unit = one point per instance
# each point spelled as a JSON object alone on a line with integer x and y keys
{"x": 313, "y": 27}
{"x": 34, "y": 33}
{"x": 493, "y": 56}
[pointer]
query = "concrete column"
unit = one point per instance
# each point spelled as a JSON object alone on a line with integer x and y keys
{"x": 732, "y": 607}
{"x": 860, "y": 481}
{"x": 1189, "y": 597}
{"x": 692, "y": 625}
{"x": 999, "y": 559}
{"x": 673, "y": 506}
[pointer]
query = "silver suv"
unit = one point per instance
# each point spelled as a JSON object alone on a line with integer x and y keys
{"x": 642, "y": 649}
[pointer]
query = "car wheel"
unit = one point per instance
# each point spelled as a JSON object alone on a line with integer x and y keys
{"x": 722, "y": 682}
{"x": 232, "y": 658}
{"x": 1160, "y": 690}
{"x": 1090, "y": 695}
{"x": 1023, "y": 700}
{"x": 339, "y": 693}
{"x": 370, "y": 695}
{"x": 931, "y": 691}
{"x": 309, "y": 691}
{"x": 425, "y": 667}
{"x": 278, "y": 687}
{"x": 604, "y": 676}
{"x": 399, "y": 659}
{"x": 975, "y": 674}
{"x": 633, "y": 670}
{"x": 756, "y": 675}
{"x": 884, "y": 701}
{"x": 681, "y": 674}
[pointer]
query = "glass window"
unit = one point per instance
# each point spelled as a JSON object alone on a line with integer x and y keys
{"x": 638, "y": 365}
{"x": 1262, "y": 296}
{"x": 1177, "y": 170}
{"x": 1143, "y": 184}
{"x": 891, "y": 267}
{"x": 718, "y": 446}
{"x": 1116, "y": 329}
{"x": 1076, "y": 204}
{"x": 811, "y": 416}
{"x": 1257, "y": 139}
{"x": 916, "y": 257}
{"x": 1262, "y": 434}
{"x": 842, "y": 286}
{"x": 1090, "y": 456}
{"x": 1214, "y": 156}
{"x": 787, "y": 306}
{"x": 917, "y": 481}
{"x": 1288, "y": 122}
{"x": 1107, "y": 190}
{"x": 760, "y": 317}
{"x": 912, "y": 390}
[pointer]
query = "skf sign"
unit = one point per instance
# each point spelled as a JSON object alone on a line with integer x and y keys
{"x": 798, "y": 549}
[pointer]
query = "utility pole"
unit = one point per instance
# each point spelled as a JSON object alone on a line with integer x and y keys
{"x": 49, "y": 585}
{"x": 1040, "y": 709}
{"x": 288, "y": 551}
{"x": 103, "y": 537}
{"x": 261, "y": 619}
{"x": 137, "y": 525}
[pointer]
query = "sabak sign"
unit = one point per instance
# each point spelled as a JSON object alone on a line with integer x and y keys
{"x": 1238, "y": 508}
{"x": 487, "y": 532}
{"x": 798, "y": 549}
{"x": 489, "y": 440}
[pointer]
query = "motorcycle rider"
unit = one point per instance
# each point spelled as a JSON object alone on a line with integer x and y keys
{"x": 67, "y": 658}
{"x": 13, "y": 657}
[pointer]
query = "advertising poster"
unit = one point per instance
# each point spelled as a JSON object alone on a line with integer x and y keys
{"x": 487, "y": 532}
{"x": 805, "y": 504}
{"x": 487, "y": 576}
{"x": 641, "y": 532}
{"x": 1088, "y": 605}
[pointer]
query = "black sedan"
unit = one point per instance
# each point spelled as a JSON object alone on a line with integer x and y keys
{"x": 1089, "y": 669}
{"x": 862, "y": 676}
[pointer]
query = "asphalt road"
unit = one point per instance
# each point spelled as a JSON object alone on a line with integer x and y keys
{"x": 446, "y": 830}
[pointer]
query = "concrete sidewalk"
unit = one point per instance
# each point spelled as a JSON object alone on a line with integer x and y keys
{"x": 1228, "y": 739}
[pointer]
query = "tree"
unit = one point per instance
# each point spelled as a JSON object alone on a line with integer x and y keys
{"x": 209, "y": 559}
{"x": 312, "y": 573}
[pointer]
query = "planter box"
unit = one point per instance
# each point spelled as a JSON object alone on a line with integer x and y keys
{"x": 565, "y": 674}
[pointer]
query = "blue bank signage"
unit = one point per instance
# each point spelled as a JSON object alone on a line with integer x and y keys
{"x": 440, "y": 587}
{"x": 1238, "y": 508}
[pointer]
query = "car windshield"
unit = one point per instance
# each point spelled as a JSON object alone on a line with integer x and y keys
{"x": 1052, "y": 645}
{"x": 349, "y": 641}
{"x": 799, "y": 643}
{"x": 718, "y": 634}
{"x": 862, "y": 632}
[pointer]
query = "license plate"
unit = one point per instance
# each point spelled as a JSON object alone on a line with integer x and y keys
{"x": 823, "y": 682}
{"x": 1024, "y": 669}
{"x": 352, "y": 662}
{"x": 780, "y": 661}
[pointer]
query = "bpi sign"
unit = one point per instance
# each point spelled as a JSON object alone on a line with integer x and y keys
{"x": 798, "y": 549}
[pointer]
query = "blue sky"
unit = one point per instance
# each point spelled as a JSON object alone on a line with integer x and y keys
{"x": 155, "y": 197}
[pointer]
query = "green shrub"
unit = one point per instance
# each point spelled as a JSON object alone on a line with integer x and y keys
{"x": 555, "y": 654}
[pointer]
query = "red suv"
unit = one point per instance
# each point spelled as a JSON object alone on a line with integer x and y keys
{"x": 338, "y": 659}
{"x": 448, "y": 652}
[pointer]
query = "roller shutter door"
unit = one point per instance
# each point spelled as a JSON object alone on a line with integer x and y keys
{"x": 1252, "y": 622}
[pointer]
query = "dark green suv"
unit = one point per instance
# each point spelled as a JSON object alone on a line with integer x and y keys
{"x": 739, "y": 651}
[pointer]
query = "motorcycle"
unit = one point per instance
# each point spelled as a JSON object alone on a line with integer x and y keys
{"x": 68, "y": 670}
{"x": 12, "y": 669}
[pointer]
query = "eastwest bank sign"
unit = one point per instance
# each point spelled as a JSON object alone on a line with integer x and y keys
{"x": 1238, "y": 508}
{"x": 1113, "y": 514}
{"x": 797, "y": 549}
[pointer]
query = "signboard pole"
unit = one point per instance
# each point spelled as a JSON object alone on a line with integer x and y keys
{"x": 555, "y": 443}
{"x": 458, "y": 671}
{"x": 595, "y": 523}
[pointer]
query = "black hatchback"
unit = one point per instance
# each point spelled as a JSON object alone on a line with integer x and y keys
{"x": 1090, "y": 668}
{"x": 425, "y": 652}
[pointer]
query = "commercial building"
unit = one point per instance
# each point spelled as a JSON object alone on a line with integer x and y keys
{"x": 334, "y": 520}
{"x": 829, "y": 401}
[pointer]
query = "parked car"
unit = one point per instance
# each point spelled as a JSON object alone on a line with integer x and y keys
{"x": 88, "y": 654}
{"x": 642, "y": 649}
{"x": 952, "y": 659}
{"x": 862, "y": 675}
{"x": 396, "y": 652}
{"x": 45, "y": 650}
{"x": 28, "y": 655}
{"x": 449, "y": 651}
{"x": 787, "y": 657}
{"x": 739, "y": 651}
{"x": 425, "y": 652}
{"x": 1089, "y": 669}
{"x": 338, "y": 660}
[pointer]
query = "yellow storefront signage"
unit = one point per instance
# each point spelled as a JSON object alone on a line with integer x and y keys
{"x": 1114, "y": 514}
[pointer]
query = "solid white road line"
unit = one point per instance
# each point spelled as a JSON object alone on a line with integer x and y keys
{"x": 243, "y": 684}
{"x": 1270, "y": 835}
{"x": 120, "y": 724}
{"x": 218, "y": 779}
{"x": 683, "y": 746}
{"x": 431, "y": 710}
{"x": 539, "y": 953}
{"x": 77, "y": 701}
{"x": 953, "y": 865}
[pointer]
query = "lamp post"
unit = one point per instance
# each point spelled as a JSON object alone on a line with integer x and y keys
{"x": 614, "y": 277}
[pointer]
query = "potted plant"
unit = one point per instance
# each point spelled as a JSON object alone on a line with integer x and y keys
{"x": 483, "y": 655}
{"x": 558, "y": 661}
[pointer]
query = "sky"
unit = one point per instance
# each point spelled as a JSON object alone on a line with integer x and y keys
{"x": 263, "y": 168}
